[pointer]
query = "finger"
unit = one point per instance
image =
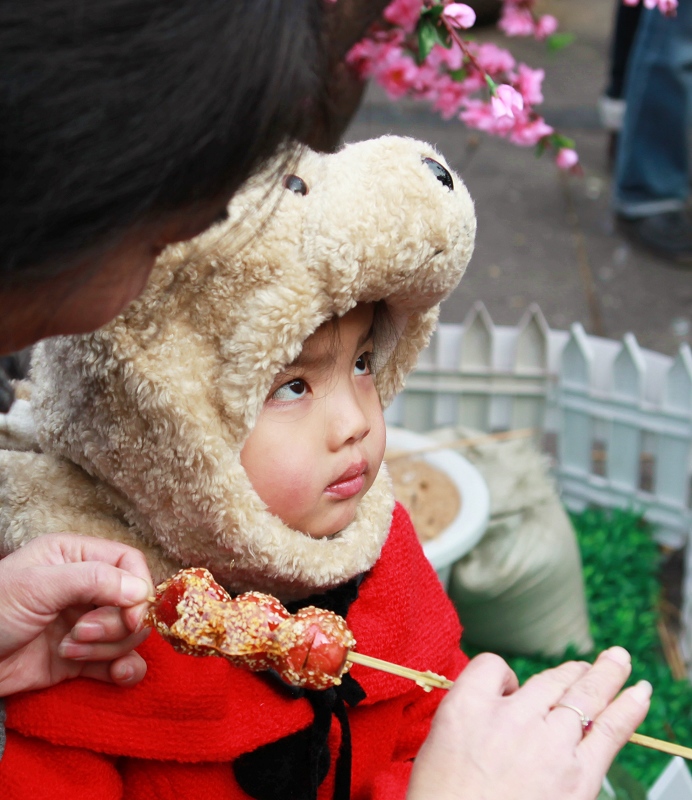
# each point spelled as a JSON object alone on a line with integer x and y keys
{"x": 594, "y": 691}
{"x": 544, "y": 690}
{"x": 104, "y": 624}
{"x": 125, "y": 671}
{"x": 60, "y": 586}
{"x": 66, "y": 548}
{"x": 615, "y": 725}
{"x": 488, "y": 674}
{"x": 100, "y": 651}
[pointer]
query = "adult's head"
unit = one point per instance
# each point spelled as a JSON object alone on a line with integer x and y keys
{"x": 125, "y": 125}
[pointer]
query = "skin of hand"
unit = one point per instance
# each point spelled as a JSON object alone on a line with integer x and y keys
{"x": 492, "y": 739}
{"x": 71, "y": 606}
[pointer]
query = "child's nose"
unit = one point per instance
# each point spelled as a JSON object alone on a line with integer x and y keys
{"x": 350, "y": 419}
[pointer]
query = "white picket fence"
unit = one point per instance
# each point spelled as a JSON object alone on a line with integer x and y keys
{"x": 617, "y": 417}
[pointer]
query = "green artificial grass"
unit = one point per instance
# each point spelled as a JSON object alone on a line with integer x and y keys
{"x": 621, "y": 563}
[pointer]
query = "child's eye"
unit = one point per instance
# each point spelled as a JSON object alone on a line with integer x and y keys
{"x": 363, "y": 365}
{"x": 293, "y": 390}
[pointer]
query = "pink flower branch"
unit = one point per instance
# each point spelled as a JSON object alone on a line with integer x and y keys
{"x": 418, "y": 52}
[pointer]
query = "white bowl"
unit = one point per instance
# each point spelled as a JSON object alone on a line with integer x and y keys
{"x": 469, "y": 525}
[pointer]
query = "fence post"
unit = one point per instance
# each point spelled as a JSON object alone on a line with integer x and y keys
{"x": 531, "y": 361}
{"x": 575, "y": 433}
{"x": 624, "y": 436}
{"x": 475, "y": 366}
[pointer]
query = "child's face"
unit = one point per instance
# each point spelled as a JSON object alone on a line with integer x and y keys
{"x": 320, "y": 438}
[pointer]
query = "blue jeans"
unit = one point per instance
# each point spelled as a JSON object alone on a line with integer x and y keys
{"x": 652, "y": 167}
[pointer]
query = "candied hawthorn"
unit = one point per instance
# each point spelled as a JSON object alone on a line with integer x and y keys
{"x": 314, "y": 644}
{"x": 253, "y": 631}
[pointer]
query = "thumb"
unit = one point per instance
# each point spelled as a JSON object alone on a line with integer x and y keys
{"x": 47, "y": 590}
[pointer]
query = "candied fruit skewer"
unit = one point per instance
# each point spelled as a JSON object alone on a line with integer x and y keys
{"x": 254, "y": 630}
{"x": 312, "y": 648}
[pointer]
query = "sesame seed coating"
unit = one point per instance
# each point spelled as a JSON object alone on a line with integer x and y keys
{"x": 254, "y": 631}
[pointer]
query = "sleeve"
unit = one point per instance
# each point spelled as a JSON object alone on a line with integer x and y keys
{"x": 33, "y": 769}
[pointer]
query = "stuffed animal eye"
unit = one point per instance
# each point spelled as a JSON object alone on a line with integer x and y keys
{"x": 440, "y": 173}
{"x": 295, "y": 184}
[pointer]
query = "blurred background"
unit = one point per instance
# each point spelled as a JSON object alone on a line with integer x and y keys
{"x": 544, "y": 236}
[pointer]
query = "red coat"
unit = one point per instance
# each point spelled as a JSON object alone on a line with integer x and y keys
{"x": 176, "y": 734}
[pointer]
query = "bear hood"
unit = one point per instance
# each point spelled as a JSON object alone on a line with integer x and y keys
{"x": 154, "y": 409}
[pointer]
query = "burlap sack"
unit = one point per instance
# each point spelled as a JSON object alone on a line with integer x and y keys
{"x": 520, "y": 590}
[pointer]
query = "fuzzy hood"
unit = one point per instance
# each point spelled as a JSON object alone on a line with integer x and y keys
{"x": 153, "y": 410}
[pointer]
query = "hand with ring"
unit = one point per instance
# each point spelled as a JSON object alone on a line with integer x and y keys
{"x": 556, "y": 736}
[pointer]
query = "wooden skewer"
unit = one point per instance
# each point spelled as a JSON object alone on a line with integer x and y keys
{"x": 426, "y": 680}
{"x": 429, "y": 680}
{"x": 665, "y": 747}
{"x": 520, "y": 433}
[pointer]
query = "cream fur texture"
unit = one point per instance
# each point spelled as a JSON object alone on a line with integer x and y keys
{"x": 141, "y": 423}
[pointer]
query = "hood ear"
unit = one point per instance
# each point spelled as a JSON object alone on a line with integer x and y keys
{"x": 158, "y": 404}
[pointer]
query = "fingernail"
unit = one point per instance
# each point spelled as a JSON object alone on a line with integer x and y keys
{"x": 123, "y": 672}
{"x": 88, "y": 631}
{"x": 71, "y": 649}
{"x": 134, "y": 589}
{"x": 619, "y": 655}
{"x": 642, "y": 691}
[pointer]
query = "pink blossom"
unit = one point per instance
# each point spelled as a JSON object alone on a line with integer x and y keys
{"x": 426, "y": 80}
{"x": 479, "y": 115}
{"x": 444, "y": 58}
{"x": 566, "y": 158}
{"x": 668, "y": 7}
{"x": 516, "y": 21}
{"x": 459, "y": 15}
{"x": 454, "y": 80}
{"x": 506, "y": 101}
{"x": 449, "y": 97}
{"x": 363, "y": 55}
{"x": 528, "y": 133}
{"x": 528, "y": 84}
{"x": 397, "y": 74}
{"x": 404, "y": 13}
{"x": 493, "y": 59}
{"x": 546, "y": 25}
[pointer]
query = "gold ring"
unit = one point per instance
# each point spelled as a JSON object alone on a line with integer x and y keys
{"x": 586, "y": 722}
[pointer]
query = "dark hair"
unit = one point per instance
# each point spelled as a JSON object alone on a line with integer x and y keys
{"x": 115, "y": 111}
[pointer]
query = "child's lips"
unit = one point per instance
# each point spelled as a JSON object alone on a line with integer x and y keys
{"x": 349, "y": 483}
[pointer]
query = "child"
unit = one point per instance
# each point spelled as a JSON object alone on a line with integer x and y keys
{"x": 232, "y": 419}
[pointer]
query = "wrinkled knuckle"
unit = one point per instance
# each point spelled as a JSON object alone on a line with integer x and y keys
{"x": 102, "y": 576}
{"x": 610, "y": 729}
{"x": 590, "y": 689}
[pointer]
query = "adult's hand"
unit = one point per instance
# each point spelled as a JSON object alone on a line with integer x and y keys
{"x": 491, "y": 739}
{"x": 71, "y": 605}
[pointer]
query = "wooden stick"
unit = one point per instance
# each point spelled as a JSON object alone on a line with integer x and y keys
{"x": 658, "y": 744}
{"x": 521, "y": 433}
{"x": 429, "y": 680}
{"x": 426, "y": 680}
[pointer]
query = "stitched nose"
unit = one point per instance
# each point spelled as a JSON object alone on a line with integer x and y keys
{"x": 440, "y": 173}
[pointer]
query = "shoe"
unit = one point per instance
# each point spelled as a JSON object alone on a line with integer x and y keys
{"x": 668, "y": 235}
